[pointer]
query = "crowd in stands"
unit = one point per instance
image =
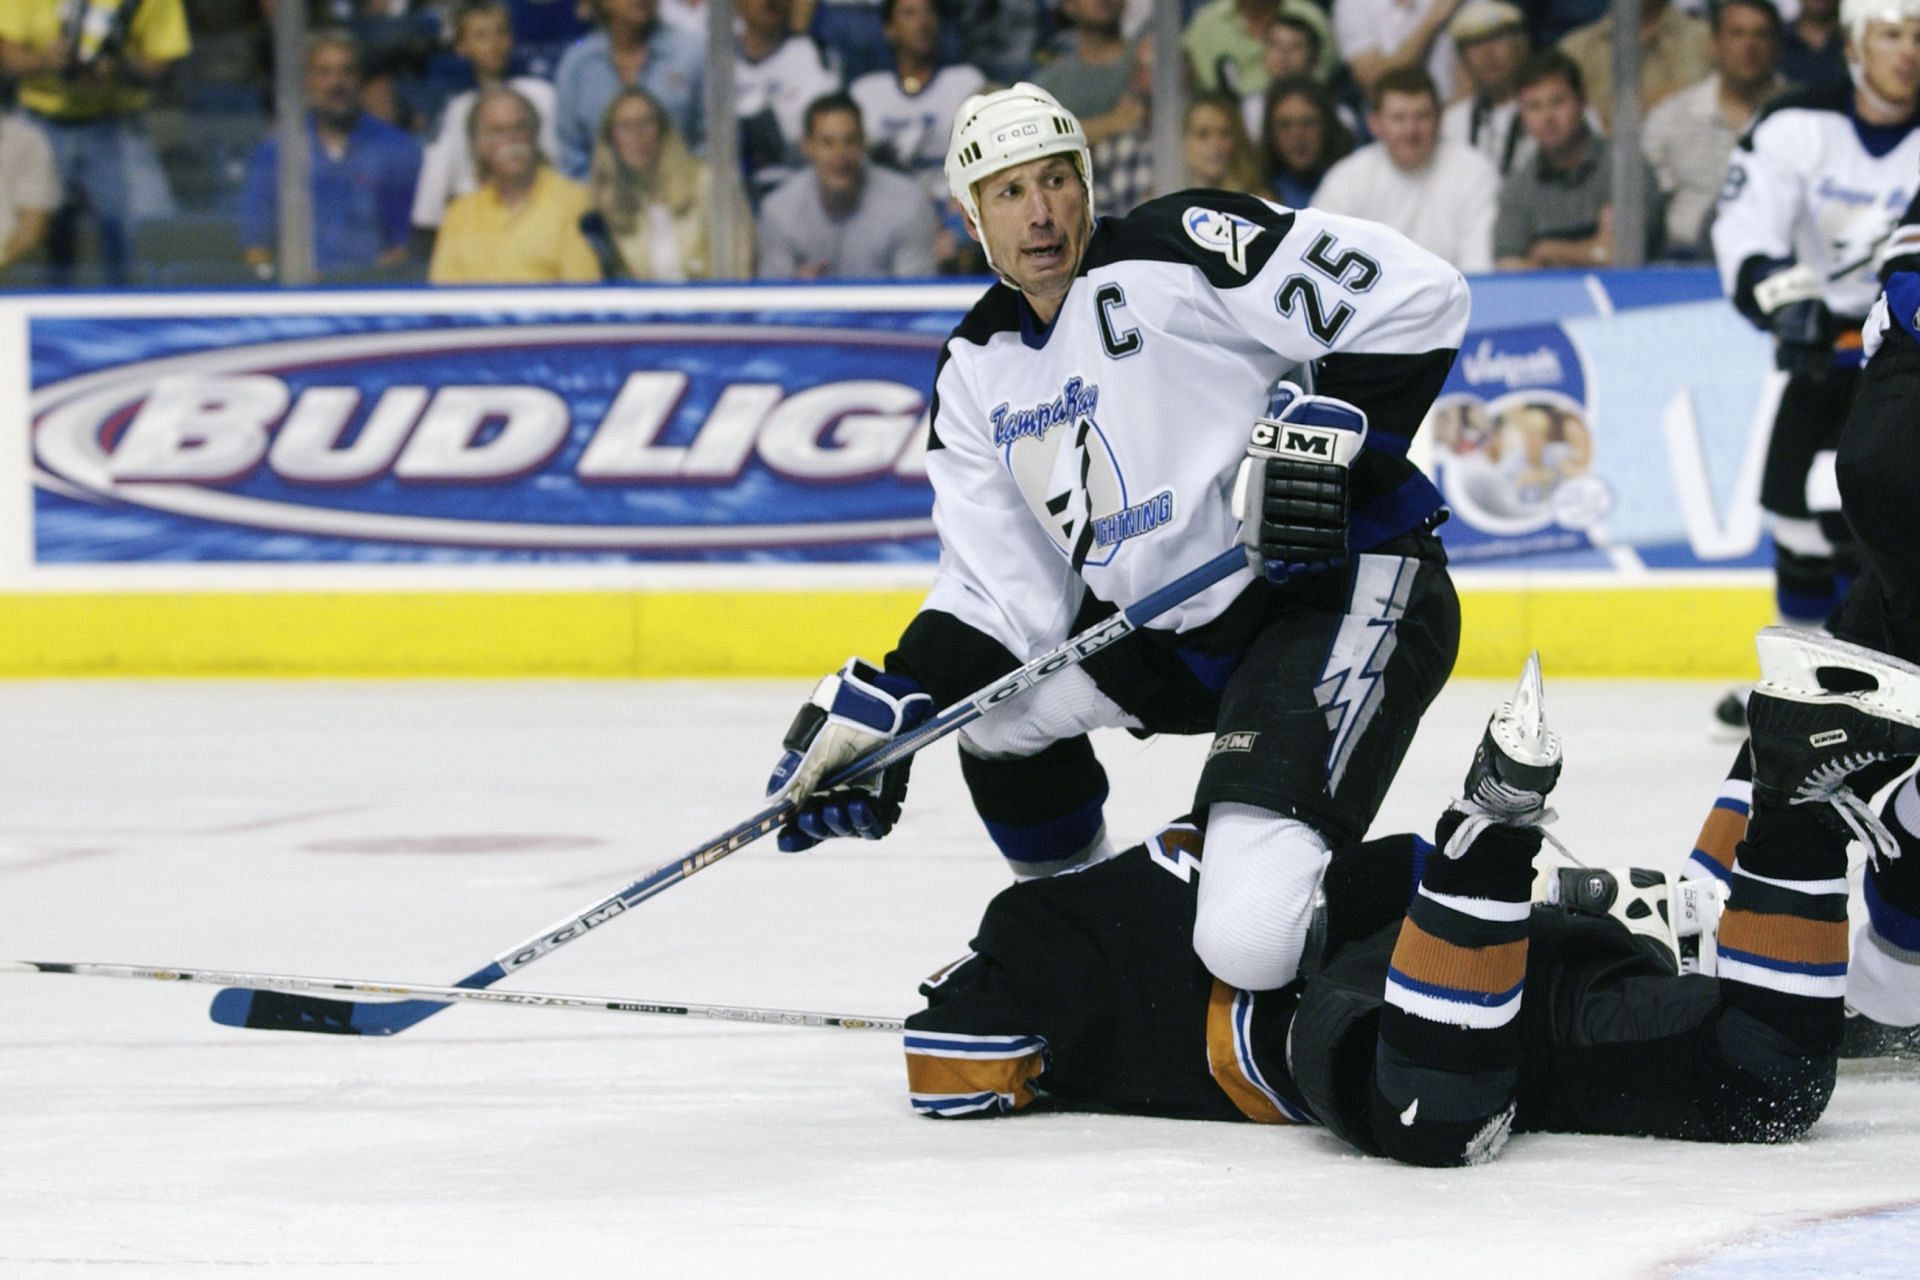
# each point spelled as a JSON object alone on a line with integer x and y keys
{"x": 508, "y": 141}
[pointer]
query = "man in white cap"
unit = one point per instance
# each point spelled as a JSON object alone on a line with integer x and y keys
{"x": 1491, "y": 38}
{"x": 1089, "y": 420}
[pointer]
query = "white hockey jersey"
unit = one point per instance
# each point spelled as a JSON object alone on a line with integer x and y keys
{"x": 1811, "y": 184}
{"x": 1099, "y": 454}
{"x": 910, "y": 130}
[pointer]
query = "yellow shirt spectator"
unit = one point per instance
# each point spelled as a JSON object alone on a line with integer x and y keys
{"x": 158, "y": 34}
{"x": 537, "y": 241}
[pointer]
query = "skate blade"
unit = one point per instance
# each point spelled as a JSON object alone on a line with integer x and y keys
{"x": 1519, "y": 727}
{"x": 1792, "y": 662}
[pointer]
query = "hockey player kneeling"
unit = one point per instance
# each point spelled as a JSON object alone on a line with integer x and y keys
{"x": 1444, "y": 1008}
{"x": 1096, "y": 433}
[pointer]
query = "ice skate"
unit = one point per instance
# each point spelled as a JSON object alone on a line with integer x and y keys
{"x": 1823, "y": 711}
{"x": 1865, "y": 1038}
{"x": 1514, "y": 768}
{"x": 1673, "y": 919}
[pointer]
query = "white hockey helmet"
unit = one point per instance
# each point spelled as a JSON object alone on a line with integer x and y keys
{"x": 1856, "y": 14}
{"x": 998, "y": 130}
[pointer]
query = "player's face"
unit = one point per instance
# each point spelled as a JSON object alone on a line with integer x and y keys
{"x": 1286, "y": 51}
{"x": 1744, "y": 48}
{"x": 1550, "y": 112}
{"x": 914, "y": 28}
{"x": 634, "y": 130}
{"x": 1033, "y": 220}
{"x": 836, "y": 149}
{"x": 486, "y": 40}
{"x": 1408, "y": 125}
{"x": 1494, "y": 61}
{"x": 1299, "y": 132}
{"x": 504, "y": 133}
{"x": 1890, "y": 61}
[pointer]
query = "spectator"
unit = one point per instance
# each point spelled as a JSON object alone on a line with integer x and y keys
{"x": 1298, "y": 42}
{"x": 656, "y": 198}
{"x": 1491, "y": 37}
{"x": 1378, "y": 36}
{"x": 522, "y": 224}
{"x": 1557, "y": 211}
{"x": 1673, "y": 55}
{"x": 776, "y": 77}
{"x": 1224, "y": 44}
{"x": 89, "y": 97}
{"x": 1440, "y": 195}
{"x": 909, "y": 110}
{"x": 1122, "y": 161}
{"x": 633, "y": 49}
{"x": 1000, "y": 36}
{"x": 1218, "y": 154}
{"x": 842, "y": 217}
{"x": 1689, "y": 136}
{"x": 363, "y": 172}
{"x": 1813, "y": 48}
{"x": 29, "y": 189}
{"x": 1091, "y": 70}
{"x": 1303, "y": 138}
{"x": 483, "y": 36}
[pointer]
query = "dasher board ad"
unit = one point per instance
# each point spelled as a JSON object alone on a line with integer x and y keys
{"x": 507, "y": 436}
{"x": 1590, "y": 421}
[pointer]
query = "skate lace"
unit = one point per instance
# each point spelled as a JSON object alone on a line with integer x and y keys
{"x": 1479, "y": 818}
{"x": 1827, "y": 784}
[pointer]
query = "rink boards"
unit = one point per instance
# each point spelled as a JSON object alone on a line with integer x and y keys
{"x": 731, "y": 481}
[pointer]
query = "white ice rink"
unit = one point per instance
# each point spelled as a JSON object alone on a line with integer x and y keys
{"x": 410, "y": 831}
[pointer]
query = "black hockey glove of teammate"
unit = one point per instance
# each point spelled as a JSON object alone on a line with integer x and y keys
{"x": 1789, "y": 296}
{"x": 1291, "y": 494}
{"x": 851, "y": 712}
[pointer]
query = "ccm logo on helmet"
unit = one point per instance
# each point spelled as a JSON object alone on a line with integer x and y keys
{"x": 1017, "y": 131}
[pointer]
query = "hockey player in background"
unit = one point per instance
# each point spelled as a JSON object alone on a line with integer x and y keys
{"x": 1430, "y": 1038}
{"x": 1811, "y": 194}
{"x": 1090, "y": 417}
{"x": 1878, "y": 469}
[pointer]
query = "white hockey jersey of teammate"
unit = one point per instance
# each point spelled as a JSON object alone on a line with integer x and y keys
{"x": 1060, "y": 457}
{"x": 1812, "y": 184}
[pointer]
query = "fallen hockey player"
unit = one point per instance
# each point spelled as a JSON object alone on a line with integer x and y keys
{"x": 1443, "y": 1008}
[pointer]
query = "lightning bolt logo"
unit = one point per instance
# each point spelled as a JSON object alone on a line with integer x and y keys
{"x": 1352, "y": 683}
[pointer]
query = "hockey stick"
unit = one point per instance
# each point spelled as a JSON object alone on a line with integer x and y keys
{"x": 278, "y": 1011}
{"x": 535, "y": 999}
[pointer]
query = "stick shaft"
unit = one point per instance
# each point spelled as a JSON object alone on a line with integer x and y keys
{"x": 428, "y": 991}
{"x": 237, "y": 1008}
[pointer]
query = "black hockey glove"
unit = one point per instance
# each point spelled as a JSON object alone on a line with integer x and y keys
{"x": 850, "y": 713}
{"x": 1802, "y": 327}
{"x": 1291, "y": 494}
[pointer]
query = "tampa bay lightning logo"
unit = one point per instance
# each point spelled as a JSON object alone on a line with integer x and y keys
{"x": 1227, "y": 234}
{"x": 1065, "y": 468}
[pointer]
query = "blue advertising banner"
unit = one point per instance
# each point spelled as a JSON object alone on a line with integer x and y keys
{"x": 377, "y": 433}
{"x": 767, "y": 435}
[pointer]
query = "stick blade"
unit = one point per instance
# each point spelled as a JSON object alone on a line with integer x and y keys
{"x": 284, "y": 1011}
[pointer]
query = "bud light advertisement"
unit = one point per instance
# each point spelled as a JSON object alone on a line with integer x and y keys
{"x": 761, "y": 436}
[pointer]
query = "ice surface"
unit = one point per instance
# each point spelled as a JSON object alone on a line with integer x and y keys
{"x": 411, "y": 831}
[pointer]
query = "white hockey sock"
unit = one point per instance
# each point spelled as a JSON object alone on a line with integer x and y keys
{"x": 1256, "y": 895}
